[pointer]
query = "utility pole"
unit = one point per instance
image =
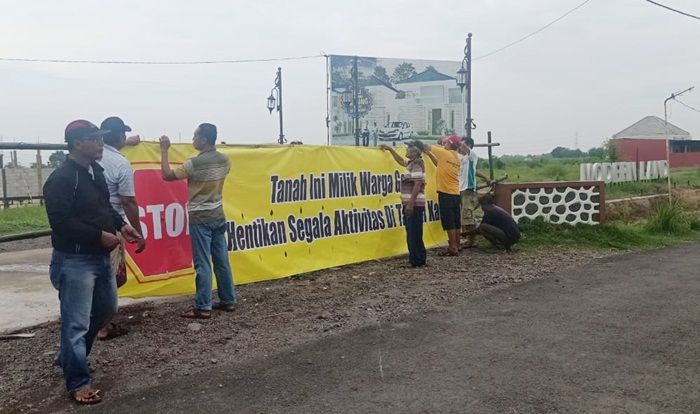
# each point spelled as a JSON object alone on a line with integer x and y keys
{"x": 668, "y": 140}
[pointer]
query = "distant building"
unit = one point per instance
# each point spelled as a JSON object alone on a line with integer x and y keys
{"x": 646, "y": 141}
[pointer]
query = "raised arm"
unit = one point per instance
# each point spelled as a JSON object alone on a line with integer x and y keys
{"x": 167, "y": 173}
{"x": 399, "y": 159}
{"x": 427, "y": 151}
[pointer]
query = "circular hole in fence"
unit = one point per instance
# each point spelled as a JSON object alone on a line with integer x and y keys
{"x": 583, "y": 196}
{"x": 519, "y": 199}
{"x": 595, "y": 198}
{"x": 534, "y": 191}
{"x": 560, "y": 209}
{"x": 575, "y": 207}
{"x": 556, "y": 199}
{"x": 548, "y": 190}
{"x": 546, "y": 210}
{"x": 595, "y": 217}
{"x": 544, "y": 200}
{"x": 531, "y": 208}
{"x": 570, "y": 196}
{"x": 570, "y": 218}
{"x": 554, "y": 219}
{"x": 517, "y": 211}
{"x": 585, "y": 216}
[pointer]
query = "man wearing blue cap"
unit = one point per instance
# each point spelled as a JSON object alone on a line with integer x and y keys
{"x": 122, "y": 195}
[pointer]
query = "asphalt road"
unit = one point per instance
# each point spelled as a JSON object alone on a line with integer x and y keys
{"x": 618, "y": 336}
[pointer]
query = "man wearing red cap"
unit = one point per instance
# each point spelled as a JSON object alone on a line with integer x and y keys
{"x": 448, "y": 161}
{"x": 84, "y": 232}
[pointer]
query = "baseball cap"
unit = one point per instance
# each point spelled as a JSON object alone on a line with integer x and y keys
{"x": 453, "y": 139}
{"x": 82, "y": 129}
{"x": 115, "y": 124}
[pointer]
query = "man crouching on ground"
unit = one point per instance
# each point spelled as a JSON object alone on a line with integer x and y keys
{"x": 84, "y": 231}
{"x": 497, "y": 226}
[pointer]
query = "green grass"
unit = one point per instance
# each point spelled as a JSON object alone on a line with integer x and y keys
{"x": 537, "y": 169}
{"x": 23, "y": 219}
{"x": 666, "y": 227}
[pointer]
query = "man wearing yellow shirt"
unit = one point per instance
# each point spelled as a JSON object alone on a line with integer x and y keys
{"x": 447, "y": 160}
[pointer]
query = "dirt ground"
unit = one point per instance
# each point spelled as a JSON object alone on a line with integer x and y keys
{"x": 271, "y": 316}
{"x": 29, "y": 244}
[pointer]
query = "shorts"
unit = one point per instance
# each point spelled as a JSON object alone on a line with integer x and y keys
{"x": 470, "y": 208}
{"x": 449, "y": 211}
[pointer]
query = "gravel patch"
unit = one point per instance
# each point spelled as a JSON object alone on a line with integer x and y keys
{"x": 271, "y": 316}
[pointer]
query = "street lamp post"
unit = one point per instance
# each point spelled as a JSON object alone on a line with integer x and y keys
{"x": 355, "y": 101}
{"x": 464, "y": 81}
{"x": 668, "y": 139}
{"x": 272, "y": 105}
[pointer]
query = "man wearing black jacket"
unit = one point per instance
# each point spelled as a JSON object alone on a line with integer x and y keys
{"x": 84, "y": 231}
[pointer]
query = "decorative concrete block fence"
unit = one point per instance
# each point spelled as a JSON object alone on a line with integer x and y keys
{"x": 570, "y": 202}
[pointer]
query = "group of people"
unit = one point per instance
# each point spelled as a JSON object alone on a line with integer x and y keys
{"x": 92, "y": 210}
{"x": 458, "y": 199}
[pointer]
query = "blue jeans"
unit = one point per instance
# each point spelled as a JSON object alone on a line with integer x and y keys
{"x": 209, "y": 241}
{"x": 414, "y": 237}
{"x": 87, "y": 290}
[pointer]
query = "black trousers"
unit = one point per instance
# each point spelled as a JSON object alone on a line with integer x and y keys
{"x": 414, "y": 237}
{"x": 498, "y": 237}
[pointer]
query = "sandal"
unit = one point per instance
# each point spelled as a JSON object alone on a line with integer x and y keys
{"x": 195, "y": 313}
{"x": 225, "y": 307}
{"x": 466, "y": 245}
{"x": 448, "y": 252}
{"x": 113, "y": 331}
{"x": 92, "y": 396}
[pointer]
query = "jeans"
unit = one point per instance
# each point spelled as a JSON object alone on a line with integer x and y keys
{"x": 87, "y": 290}
{"x": 498, "y": 237}
{"x": 414, "y": 237}
{"x": 209, "y": 241}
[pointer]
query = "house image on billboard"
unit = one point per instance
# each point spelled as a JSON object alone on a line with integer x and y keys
{"x": 430, "y": 101}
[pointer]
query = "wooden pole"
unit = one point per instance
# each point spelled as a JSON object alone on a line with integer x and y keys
{"x": 39, "y": 177}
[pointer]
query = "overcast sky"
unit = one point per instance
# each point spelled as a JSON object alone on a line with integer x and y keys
{"x": 594, "y": 73}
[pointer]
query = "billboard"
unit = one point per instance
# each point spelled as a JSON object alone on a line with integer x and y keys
{"x": 395, "y": 100}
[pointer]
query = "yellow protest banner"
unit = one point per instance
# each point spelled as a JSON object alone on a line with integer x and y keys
{"x": 290, "y": 210}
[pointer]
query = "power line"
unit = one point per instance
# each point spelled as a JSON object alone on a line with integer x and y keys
{"x": 672, "y": 9}
{"x": 155, "y": 62}
{"x": 686, "y": 105}
{"x": 533, "y": 33}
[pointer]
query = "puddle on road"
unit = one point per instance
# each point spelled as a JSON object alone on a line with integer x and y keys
{"x": 25, "y": 268}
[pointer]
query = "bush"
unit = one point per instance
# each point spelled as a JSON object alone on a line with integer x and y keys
{"x": 555, "y": 171}
{"x": 669, "y": 219}
{"x": 423, "y": 133}
{"x": 695, "y": 223}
